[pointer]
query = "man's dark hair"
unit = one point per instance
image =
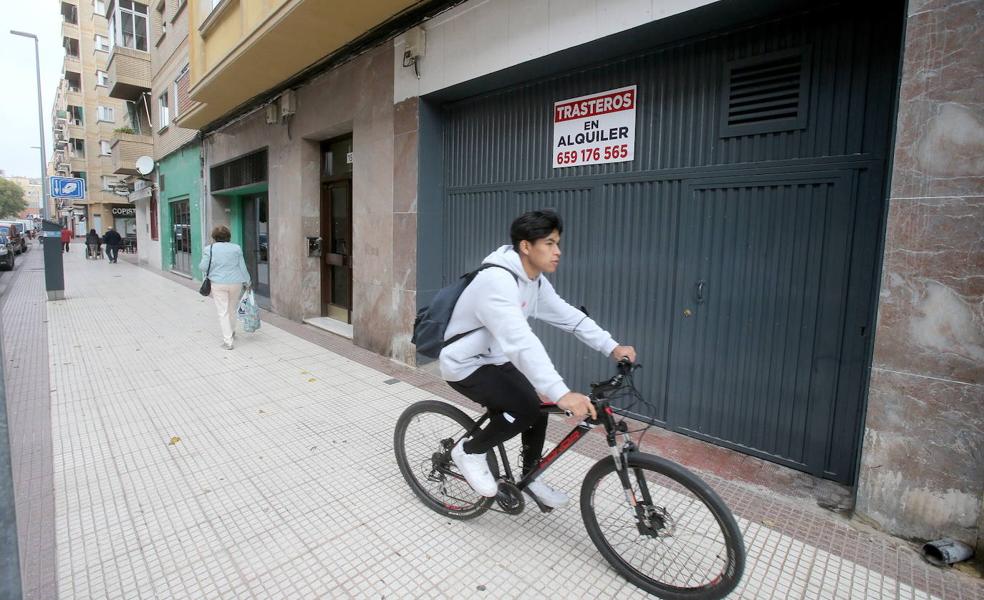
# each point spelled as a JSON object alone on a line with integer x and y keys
{"x": 534, "y": 225}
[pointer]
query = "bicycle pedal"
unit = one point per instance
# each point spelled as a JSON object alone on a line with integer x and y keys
{"x": 543, "y": 507}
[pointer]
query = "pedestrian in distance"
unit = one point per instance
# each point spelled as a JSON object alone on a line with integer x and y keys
{"x": 93, "y": 244}
{"x": 66, "y": 237}
{"x": 113, "y": 242}
{"x": 223, "y": 264}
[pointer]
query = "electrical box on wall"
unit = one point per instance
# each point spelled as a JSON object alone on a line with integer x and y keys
{"x": 273, "y": 113}
{"x": 415, "y": 41}
{"x": 288, "y": 103}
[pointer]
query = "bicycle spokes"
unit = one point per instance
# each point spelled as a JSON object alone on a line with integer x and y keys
{"x": 669, "y": 536}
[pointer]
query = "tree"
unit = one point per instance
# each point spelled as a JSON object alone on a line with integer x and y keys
{"x": 11, "y": 199}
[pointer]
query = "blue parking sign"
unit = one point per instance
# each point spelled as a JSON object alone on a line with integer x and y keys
{"x": 68, "y": 187}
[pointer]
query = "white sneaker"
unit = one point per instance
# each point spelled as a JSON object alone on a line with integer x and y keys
{"x": 547, "y": 495}
{"x": 475, "y": 469}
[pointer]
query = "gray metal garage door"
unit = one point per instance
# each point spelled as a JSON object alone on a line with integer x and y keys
{"x": 738, "y": 250}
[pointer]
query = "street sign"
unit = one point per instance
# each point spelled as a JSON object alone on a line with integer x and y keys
{"x": 68, "y": 187}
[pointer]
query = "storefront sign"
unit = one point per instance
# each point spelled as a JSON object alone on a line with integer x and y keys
{"x": 124, "y": 211}
{"x": 595, "y": 129}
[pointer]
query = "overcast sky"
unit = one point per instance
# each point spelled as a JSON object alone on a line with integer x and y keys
{"x": 19, "y": 97}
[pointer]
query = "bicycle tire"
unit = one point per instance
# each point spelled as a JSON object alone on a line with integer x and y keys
{"x": 459, "y": 507}
{"x": 677, "y": 482}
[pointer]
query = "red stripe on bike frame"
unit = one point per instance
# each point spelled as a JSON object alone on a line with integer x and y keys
{"x": 562, "y": 447}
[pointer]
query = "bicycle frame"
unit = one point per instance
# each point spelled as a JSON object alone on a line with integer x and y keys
{"x": 605, "y": 417}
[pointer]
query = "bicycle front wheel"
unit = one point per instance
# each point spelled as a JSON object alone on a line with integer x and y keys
{"x": 424, "y": 436}
{"x": 679, "y": 541}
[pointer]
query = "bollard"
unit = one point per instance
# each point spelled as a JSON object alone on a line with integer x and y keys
{"x": 54, "y": 268}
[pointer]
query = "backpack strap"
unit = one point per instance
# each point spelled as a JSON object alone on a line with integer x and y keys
{"x": 470, "y": 276}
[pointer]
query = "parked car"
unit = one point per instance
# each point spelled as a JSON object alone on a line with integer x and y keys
{"x": 28, "y": 228}
{"x": 12, "y": 230}
{"x": 6, "y": 254}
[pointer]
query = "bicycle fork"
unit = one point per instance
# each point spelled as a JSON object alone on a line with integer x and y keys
{"x": 649, "y": 518}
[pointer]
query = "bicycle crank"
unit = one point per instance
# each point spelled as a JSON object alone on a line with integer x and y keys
{"x": 510, "y": 498}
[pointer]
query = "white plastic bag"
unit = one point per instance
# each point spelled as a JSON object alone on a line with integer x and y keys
{"x": 248, "y": 313}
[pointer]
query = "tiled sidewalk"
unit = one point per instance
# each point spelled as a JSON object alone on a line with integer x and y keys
{"x": 184, "y": 470}
{"x": 29, "y": 414}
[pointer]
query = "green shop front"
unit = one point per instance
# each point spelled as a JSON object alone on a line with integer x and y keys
{"x": 241, "y": 187}
{"x": 179, "y": 189}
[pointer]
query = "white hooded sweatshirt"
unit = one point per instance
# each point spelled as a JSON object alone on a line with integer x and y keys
{"x": 499, "y": 306}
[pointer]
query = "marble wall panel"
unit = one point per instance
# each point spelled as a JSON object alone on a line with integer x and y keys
{"x": 940, "y": 136}
{"x": 405, "y": 116}
{"x": 931, "y": 315}
{"x": 921, "y": 475}
{"x": 405, "y": 172}
{"x": 405, "y": 251}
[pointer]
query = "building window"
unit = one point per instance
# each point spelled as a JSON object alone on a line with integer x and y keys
{"x": 74, "y": 81}
{"x": 102, "y": 43}
{"x": 75, "y": 115}
{"x": 128, "y": 25}
{"x": 108, "y": 182}
{"x": 71, "y": 46}
{"x": 101, "y": 78}
{"x": 105, "y": 148}
{"x": 165, "y": 117}
{"x": 100, "y": 7}
{"x": 133, "y": 116}
{"x": 78, "y": 147}
{"x": 105, "y": 113}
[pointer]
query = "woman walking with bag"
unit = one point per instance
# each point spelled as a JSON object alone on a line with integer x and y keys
{"x": 225, "y": 275}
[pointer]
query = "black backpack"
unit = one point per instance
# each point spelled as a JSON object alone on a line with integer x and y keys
{"x": 432, "y": 320}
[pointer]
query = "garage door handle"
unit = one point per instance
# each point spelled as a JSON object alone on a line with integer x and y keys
{"x": 700, "y": 292}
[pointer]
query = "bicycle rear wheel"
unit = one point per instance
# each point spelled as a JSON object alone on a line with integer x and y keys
{"x": 685, "y": 545}
{"x": 424, "y": 436}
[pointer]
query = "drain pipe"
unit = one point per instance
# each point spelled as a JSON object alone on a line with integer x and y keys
{"x": 946, "y": 551}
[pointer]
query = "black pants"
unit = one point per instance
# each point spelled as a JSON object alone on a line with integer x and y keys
{"x": 515, "y": 408}
{"x": 112, "y": 252}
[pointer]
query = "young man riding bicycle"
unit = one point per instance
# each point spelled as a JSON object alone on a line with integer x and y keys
{"x": 502, "y": 365}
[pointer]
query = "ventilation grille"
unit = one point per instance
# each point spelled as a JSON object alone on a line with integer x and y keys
{"x": 240, "y": 172}
{"x": 766, "y": 93}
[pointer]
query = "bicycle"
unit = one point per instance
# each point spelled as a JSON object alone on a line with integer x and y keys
{"x": 644, "y": 514}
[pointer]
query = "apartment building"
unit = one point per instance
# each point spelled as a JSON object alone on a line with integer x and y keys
{"x": 166, "y": 200}
{"x": 86, "y": 121}
{"x": 32, "y": 195}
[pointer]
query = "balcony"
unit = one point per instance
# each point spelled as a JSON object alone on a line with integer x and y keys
{"x": 127, "y": 148}
{"x": 62, "y": 166}
{"x": 128, "y": 73}
{"x": 76, "y": 131}
{"x": 70, "y": 29}
{"x": 227, "y": 44}
{"x": 72, "y": 63}
{"x": 78, "y": 163}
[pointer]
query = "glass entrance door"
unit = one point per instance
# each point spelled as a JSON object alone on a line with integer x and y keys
{"x": 256, "y": 244}
{"x": 181, "y": 236}
{"x": 336, "y": 232}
